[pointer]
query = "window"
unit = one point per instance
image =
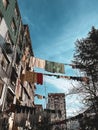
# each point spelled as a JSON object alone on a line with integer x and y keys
{"x": 13, "y": 26}
{"x": 5, "y": 3}
{"x": 1, "y": 16}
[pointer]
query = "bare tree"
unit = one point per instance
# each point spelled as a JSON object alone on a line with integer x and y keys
{"x": 86, "y": 60}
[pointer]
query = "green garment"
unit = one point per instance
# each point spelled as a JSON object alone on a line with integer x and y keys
{"x": 54, "y": 67}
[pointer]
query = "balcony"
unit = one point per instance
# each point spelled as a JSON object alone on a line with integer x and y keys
{"x": 2, "y": 72}
{"x": 4, "y": 63}
{"x": 12, "y": 87}
{"x": 13, "y": 76}
{"x": 8, "y": 48}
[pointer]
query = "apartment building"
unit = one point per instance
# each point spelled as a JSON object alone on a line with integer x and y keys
{"x": 16, "y": 96}
{"x": 24, "y": 99}
{"x": 9, "y": 29}
{"x": 56, "y": 101}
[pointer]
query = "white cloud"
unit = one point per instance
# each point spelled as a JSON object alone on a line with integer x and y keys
{"x": 73, "y": 104}
{"x": 64, "y": 85}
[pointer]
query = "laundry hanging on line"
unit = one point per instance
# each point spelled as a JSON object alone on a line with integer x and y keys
{"x": 32, "y": 77}
{"x": 53, "y": 67}
{"x": 39, "y": 96}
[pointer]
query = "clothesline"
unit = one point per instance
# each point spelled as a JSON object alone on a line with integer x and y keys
{"x": 35, "y": 77}
{"x": 50, "y": 66}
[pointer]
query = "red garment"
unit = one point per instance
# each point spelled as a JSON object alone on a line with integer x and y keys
{"x": 39, "y": 78}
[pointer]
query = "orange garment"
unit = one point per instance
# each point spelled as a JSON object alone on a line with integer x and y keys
{"x": 29, "y": 77}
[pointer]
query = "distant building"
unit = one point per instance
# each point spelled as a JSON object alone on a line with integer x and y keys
{"x": 56, "y": 101}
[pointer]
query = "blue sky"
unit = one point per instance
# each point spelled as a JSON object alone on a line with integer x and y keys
{"x": 55, "y": 25}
